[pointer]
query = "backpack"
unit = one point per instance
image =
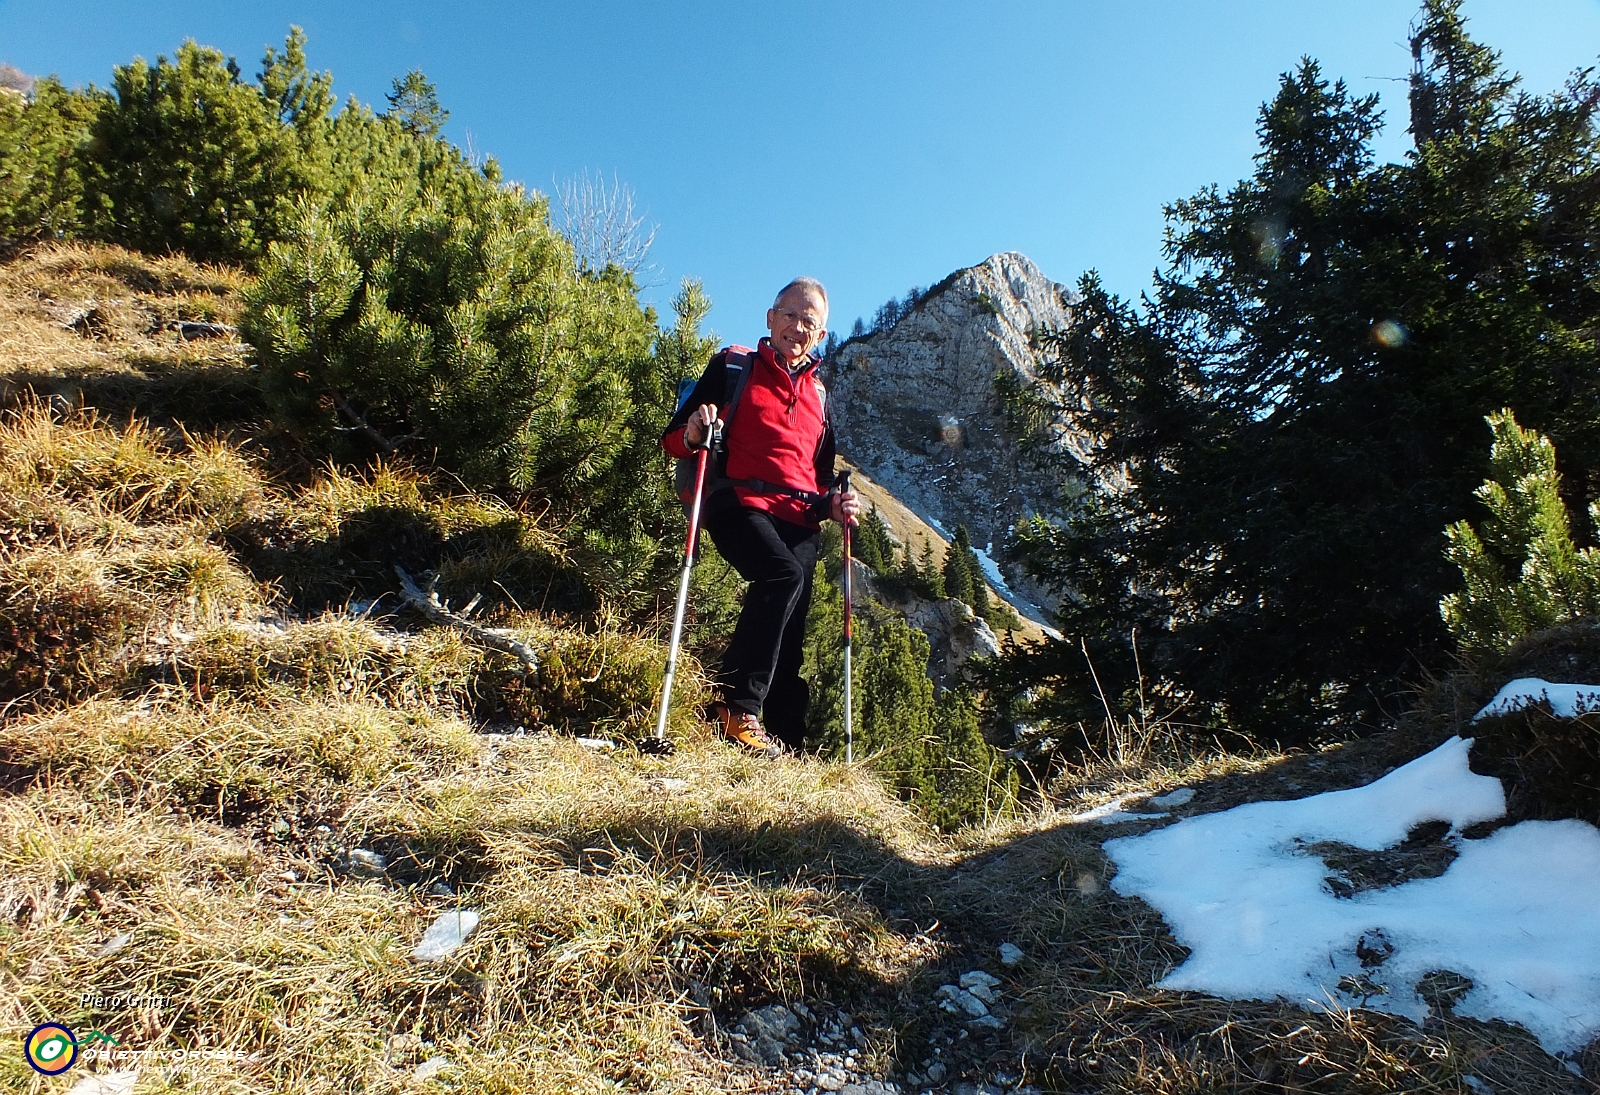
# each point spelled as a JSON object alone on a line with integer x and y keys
{"x": 735, "y": 371}
{"x": 736, "y": 368}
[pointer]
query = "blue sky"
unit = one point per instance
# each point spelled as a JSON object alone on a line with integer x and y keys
{"x": 874, "y": 145}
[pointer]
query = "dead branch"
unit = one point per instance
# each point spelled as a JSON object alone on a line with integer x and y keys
{"x": 426, "y": 601}
{"x": 359, "y": 420}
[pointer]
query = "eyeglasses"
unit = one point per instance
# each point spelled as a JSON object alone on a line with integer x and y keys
{"x": 807, "y": 324}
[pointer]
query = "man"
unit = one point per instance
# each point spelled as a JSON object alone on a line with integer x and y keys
{"x": 763, "y": 509}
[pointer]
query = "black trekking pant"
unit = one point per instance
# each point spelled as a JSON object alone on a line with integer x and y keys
{"x": 760, "y": 672}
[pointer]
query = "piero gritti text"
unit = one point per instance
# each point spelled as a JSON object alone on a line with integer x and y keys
{"x": 124, "y": 1001}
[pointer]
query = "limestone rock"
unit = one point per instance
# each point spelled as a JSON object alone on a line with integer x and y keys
{"x": 916, "y": 406}
{"x": 954, "y": 632}
{"x": 769, "y": 1030}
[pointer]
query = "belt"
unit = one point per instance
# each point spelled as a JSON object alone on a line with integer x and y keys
{"x": 761, "y": 486}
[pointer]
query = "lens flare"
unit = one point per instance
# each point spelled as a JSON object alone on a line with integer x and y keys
{"x": 1389, "y": 334}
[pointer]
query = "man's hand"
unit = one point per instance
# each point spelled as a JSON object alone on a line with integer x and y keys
{"x": 845, "y": 505}
{"x": 698, "y": 428}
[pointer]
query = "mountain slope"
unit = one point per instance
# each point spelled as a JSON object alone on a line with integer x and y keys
{"x": 233, "y": 801}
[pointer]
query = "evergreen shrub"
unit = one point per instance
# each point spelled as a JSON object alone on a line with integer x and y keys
{"x": 927, "y": 745}
{"x": 1522, "y": 571}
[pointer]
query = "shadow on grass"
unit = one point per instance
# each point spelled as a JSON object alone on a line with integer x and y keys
{"x": 205, "y": 396}
{"x": 357, "y": 561}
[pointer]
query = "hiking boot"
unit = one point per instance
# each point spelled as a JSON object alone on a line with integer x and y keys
{"x": 744, "y": 729}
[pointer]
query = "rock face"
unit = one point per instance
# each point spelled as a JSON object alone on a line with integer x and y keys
{"x": 955, "y": 633}
{"x": 916, "y": 406}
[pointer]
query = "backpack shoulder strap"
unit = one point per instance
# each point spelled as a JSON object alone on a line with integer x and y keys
{"x": 736, "y": 369}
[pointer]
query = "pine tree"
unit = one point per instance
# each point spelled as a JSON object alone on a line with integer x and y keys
{"x": 304, "y": 99}
{"x": 1527, "y": 534}
{"x": 958, "y": 579}
{"x": 980, "y": 584}
{"x": 189, "y": 157}
{"x": 456, "y": 324}
{"x": 41, "y": 162}
{"x": 865, "y": 546}
{"x": 929, "y": 747}
{"x": 414, "y": 103}
{"x": 930, "y": 580}
{"x": 875, "y": 542}
{"x": 1292, "y": 411}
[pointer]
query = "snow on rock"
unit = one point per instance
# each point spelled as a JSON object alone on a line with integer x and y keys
{"x": 1566, "y": 700}
{"x": 1514, "y": 912}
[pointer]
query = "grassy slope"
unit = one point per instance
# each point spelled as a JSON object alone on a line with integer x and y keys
{"x": 199, "y": 729}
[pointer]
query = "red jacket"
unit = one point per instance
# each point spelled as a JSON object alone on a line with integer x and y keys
{"x": 779, "y": 435}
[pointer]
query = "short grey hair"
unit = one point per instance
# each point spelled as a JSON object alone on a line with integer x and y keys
{"x": 811, "y": 285}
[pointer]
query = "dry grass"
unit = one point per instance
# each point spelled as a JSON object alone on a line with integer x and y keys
{"x": 610, "y": 902}
{"x": 98, "y": 325}
{"x": 223, "y": 700}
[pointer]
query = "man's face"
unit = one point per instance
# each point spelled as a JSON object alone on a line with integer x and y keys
{"x": 798, "y": 324}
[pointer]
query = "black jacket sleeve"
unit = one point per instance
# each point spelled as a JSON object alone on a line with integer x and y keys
{"x": 712, "y": 388}
{"x": 827, "y": 456}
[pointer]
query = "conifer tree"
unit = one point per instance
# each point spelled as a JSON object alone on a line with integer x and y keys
{"x": 980, "y": 584}
{"x": 41, "y": 162}
{"x": 455, "y": 324}
{"x": 875, "y": 542}
{"x": 1521, "y": 569}
{"x": 929, "y": 578}
{"x": 189, "y": 157}
{"x": 928, "y": 746}
{"x": 908, "y": 573}
{"x": 1292, "y": 410}
{"x": 958, "y": 579}
{"x": 304, "y": 99}
{"x": 865, "y": 546}
{"x": 414, "y": 103}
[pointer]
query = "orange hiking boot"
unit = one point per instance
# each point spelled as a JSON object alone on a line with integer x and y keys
{"x": 744, "y": 730}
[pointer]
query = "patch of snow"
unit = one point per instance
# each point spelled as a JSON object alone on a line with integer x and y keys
{"x": 430, "y": 1068}
{"x": 991, "y": 572}
{"x": 445, "y": 935}
{"x": 991, "y": 569}
{"x": 1110, "y": 813}
{"x": 1567, "y": 700}
{"x": 1514, "y": 912}
{"x": 1181, "y": 797}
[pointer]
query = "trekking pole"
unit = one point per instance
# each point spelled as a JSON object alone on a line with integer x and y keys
{"x": 849, "y": 715}
{"x": 659, "y": 743}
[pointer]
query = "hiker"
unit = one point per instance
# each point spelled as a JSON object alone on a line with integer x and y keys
{"x": 766, "y": 494}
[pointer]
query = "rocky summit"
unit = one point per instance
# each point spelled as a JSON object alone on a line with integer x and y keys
{"x": 916, "y": 405}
